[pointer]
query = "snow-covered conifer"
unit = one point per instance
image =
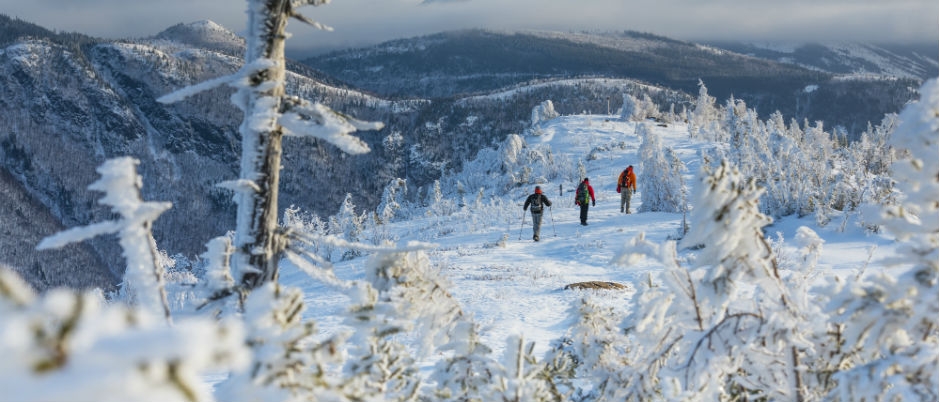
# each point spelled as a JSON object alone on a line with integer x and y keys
{"x": 660, "y": 174}
{"x": 391, "y": 200}
{"x": 629, "y": 109}
{"x": 348, "y": 225}
{"x": 703, "y": 115}
{"x": 541, "y": 113}
{"x": 893, "y": 320}
{"x": 286, "y": 363}
{"x": 405, "y": 298}
{"x": 143, "y": 277}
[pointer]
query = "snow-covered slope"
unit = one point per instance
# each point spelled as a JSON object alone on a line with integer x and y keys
{"x": 515, "y": 286}
{"x": 855, "y": 60}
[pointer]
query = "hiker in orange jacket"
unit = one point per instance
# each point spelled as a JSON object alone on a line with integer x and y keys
{"x": 626, "y": 186}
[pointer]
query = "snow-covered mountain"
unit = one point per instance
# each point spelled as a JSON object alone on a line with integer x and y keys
{"x": 452, "y": 64}
{"x": 856, "y": 60}
{"x": 761, "y": 258}
{"x": 442, "y": 99}
{"x": 70, "y": 102}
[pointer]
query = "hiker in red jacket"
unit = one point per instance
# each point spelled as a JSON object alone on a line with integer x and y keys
{"x": 583, "y": 198}
{"x": 626, "y": 186}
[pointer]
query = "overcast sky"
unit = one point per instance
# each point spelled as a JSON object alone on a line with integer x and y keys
{"x": 365, "y": 22}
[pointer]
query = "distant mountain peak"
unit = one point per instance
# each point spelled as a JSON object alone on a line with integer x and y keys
{"x": 206, "y": 34}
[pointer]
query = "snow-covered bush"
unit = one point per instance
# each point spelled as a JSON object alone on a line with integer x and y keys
{"x": 892, "y": 321}
{"x": 541, "y": 113}
{"x": 660, "y": 175}
{"x": 68, "y": 346}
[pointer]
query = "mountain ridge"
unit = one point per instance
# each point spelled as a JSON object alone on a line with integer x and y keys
{"x": 73, "y": 101}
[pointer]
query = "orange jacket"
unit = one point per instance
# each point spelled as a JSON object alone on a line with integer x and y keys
{"x": 626, "y": 179}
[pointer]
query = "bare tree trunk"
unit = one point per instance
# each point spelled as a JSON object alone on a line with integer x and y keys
{"x": 257, "y": 240}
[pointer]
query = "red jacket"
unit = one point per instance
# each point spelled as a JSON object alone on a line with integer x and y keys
{"x": 626, "y": 179}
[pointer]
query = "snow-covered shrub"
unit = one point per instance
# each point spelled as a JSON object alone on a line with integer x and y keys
{"x": 891, "y": 322}
{"x": 728, "y": 327}
{"x": 392, "y": 199}
{"x": 286, "y": 364}
{"x": 660, "y": 175}
{"x": 628, "y": 111}
{"x": 542, "y": 113}
{"x": 67, "y": 346}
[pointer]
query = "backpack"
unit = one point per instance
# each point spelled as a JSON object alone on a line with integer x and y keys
{"x": 582, "y": 194}
{"x": 536, "y": 203}
{"x": 625, "y": 176}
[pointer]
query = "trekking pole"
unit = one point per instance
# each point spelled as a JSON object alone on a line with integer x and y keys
{"x": 552, "y": 222}
{"x": 522, "y": 227}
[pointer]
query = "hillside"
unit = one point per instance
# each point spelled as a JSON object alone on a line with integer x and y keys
{"x": 443, "y": 98}
{"x": 72, "y": 102}
{"x": 919, "y": 62}
{"x": 736, "y": 281}
{"x": 515, "y": 288}
{"x": 452, "y": 64}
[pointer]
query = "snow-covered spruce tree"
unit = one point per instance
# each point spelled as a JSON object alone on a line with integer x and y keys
{"x": 542, "y": 113}
{"x": 593, "y": 348}
{"x": 391, "y": 206}
{"x": 270, "y": 114}
{"x": 628, "y": 111}
{"x": 348, "y": 226}
{"x": 286, "y": 364}
{"x": 405, "y": 298}
{"x": 470, "y": 374}
{"x": 143, "y": 277}
{"x": 867, "y": 162}
{"x": 727, "y": 328}
{"x": 660, "y": 174}
{"x": 819, "y": 150}
{"x": 702, "y": 123}
{"x": 69, "y": 346}
{"x": 891, "y": 323}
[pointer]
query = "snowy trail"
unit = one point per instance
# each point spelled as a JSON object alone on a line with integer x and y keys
{"x": 517, "y": 288}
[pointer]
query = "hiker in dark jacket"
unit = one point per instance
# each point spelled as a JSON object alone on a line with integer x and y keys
{"x": 583, "y": 197}
{"x": 538, "y": 202}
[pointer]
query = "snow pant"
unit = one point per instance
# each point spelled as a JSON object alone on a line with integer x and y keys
{"x": 536, "y": 224}
{"x": 583, "y": 212}
{"x": 624, "y": 196}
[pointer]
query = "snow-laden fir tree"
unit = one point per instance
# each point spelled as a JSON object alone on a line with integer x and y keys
{"x": 286, "y": 364}
{"x": 391, "y": 200}
{"x": 348, "y": 225}
{"x": 659, "y": 174}
{"x": 893, "y": 321}
{"x": 702, "y": 123}
{"x": 726, "y": 328}
{"x": 542, "y": 113}
{"x": 628, "y": 111}
{"x": 404, "y": 298}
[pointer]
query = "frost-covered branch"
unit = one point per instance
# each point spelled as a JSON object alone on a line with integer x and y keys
{"x": 144, "y": 273}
